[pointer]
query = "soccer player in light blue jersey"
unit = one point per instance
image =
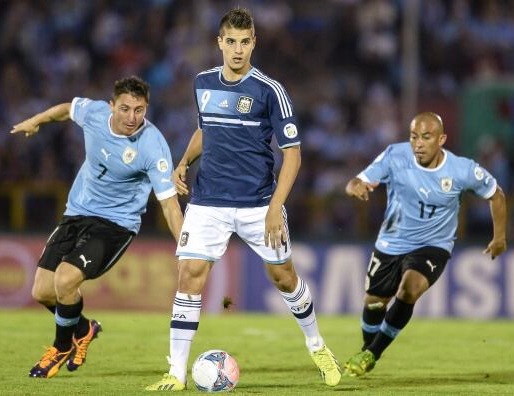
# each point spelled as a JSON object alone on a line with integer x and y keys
{"x": 126, "y": 157}
{"x": 424, "y": 187}
{"x": 240, "y": 110}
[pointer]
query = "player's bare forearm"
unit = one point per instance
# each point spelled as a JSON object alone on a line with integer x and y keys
{"x": 194, "y": 148}
{"x": 498, "y": 207}
{"x": 30, "y": 126}
{"x": 173, "y": 215}
{"x": 359, "y": 189}
{"x": 193, "y": 151}
{"x": 291, "y": 163}
{"x": 274, "y": 223}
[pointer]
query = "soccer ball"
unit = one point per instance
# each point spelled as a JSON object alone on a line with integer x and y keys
{"x": 215, "y": 371}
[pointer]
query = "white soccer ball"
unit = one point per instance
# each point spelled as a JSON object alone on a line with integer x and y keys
{"x": 215, "y": 371}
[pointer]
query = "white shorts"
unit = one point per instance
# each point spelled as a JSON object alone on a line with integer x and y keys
{"x": 207, "y": 230}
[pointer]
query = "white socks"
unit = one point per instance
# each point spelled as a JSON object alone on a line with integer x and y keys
{"x": 184, "y": 323}
{"x": 301, "y": 305}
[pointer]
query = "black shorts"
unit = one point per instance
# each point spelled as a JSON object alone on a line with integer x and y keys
{"x": 91, "y": 244}
{"x": 385, "y": 271}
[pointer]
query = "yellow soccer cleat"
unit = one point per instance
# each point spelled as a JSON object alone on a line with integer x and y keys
{"x": 360, "y": 364}
{"x": 167, "y": 383}
{"x": 328, "y": 366}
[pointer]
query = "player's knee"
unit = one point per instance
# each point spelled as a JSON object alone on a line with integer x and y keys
{"x": 284, "y": 281}
{"x": 43, "y": 295}
{"x": 283, "y": 276}
{"x": 67, "y": 282}
{"x": 410, "y": 294}
{"x": 193, "y": 276}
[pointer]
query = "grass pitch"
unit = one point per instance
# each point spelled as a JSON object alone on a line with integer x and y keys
{"x": 430, "y": 357}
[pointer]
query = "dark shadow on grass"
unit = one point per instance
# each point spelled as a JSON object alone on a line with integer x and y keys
{"x": 133, "y": 373}
{"x": 505, "y": 377}
{"x": 313, "y": 388}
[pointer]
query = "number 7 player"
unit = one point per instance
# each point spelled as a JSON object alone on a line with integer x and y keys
{"x": 126, "y": 157}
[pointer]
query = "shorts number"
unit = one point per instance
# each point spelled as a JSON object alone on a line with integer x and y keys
{"x": 284, "y": 243}
{"x": 373, "y": 266}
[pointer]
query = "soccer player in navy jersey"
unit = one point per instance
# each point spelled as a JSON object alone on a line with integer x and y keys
{"x": 240, "y": 109}
{"x": 126, "y": 157}
{"x": 424, "y": 187}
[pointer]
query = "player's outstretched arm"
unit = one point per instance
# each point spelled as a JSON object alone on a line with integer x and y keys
{"x": 498, "y": 244}
{"x": 359, "y": 189}
{"x": 30, "y": 126}
{"x": 193, "y": 151}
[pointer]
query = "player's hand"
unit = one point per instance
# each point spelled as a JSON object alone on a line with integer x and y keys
{"x": 496, "y": 247}
{"x": 179, "y": 178}
{"x": 274, "y": 229}
{"x": 360, "y": 189}
{"x": 29, "y": 127}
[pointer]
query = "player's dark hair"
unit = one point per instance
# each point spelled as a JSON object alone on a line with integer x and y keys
{"x": 237, "y": 18}
{"x": 132, "y": 85}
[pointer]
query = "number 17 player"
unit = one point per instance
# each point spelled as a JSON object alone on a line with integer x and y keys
{"x": 424, "y": 187}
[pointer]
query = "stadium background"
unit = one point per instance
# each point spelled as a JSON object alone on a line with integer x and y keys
{"x": 357, "y": 71}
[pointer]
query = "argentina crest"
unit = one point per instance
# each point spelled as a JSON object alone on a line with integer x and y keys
{"x": 446, "y": 184}
{"x": 244, "y": 104}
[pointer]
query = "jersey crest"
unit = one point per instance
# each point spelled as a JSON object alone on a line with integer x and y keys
{"x": 290, "y": 131}
{"x": 128, "y": 155}
{"x": 244, "y": 104}
{"x": 446, "y": 184}
{"x": 162, "y": 165}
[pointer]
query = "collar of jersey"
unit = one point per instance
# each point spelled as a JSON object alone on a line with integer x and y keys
{"x": 232, "y": 83}
{"x": 123, "y": 136}
{"x": 432, "y": 169}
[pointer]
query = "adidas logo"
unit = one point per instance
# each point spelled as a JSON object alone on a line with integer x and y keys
{"x": 223, "y": 104}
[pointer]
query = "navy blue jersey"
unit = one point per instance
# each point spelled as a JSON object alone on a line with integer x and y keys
{"x": 238, "y": 121}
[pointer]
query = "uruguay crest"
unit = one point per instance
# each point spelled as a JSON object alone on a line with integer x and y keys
{"x": 446, "y": 184}
{"x": 128, "y": 155}
{"x": 244, "y": 104}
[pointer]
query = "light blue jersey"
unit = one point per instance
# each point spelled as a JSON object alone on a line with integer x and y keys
{"x": 423, "y": 204}
{"x": 238, "y": 121}
{"x": 119, "y": 172}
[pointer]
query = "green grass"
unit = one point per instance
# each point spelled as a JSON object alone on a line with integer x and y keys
{"x": 431, "y": 357}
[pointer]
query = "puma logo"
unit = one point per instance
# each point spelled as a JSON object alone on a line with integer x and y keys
{"x": 432, "y": 266}
{"x": 104, "y": 152}
{"x": 425, "y": 192}
{"x": 84, "y": 260}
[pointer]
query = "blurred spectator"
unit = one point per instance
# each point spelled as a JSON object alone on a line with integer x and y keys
{"x": 339, "y": 59}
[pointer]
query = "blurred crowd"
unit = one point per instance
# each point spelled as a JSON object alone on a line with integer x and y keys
{"x": 340, "y": 61}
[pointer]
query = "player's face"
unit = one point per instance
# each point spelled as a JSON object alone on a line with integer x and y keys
{"x": 128, "y": 113}
{"x": 426, "y": 140}
{"x": 236, "y": 46}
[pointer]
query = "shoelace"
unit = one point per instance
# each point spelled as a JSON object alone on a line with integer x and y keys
{"x": 326, "y": 360}
{"x": 367, "y": 358}
{"x": 49, "y": 356}
{"x": 81, "y": 348}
